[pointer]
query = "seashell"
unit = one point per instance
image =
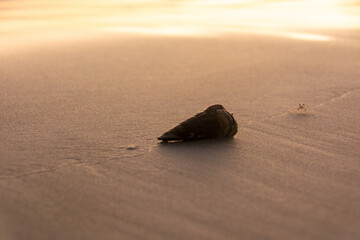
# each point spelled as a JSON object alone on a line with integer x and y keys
{"x": 213, "y": 122}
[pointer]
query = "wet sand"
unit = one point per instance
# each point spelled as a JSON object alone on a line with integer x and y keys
{"x": 79, "y": 157}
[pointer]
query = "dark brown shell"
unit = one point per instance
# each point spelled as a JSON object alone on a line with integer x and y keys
{"x": 213, "y": 122}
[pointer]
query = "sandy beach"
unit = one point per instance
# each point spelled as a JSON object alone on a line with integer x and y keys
{"x": 80, "y": 159}
{"x": 83, "y": 100}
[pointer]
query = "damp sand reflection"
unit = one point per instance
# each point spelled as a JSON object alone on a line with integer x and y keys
{"x": 24, "y": 21}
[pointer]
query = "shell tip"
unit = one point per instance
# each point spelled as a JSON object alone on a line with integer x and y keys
{"x": 168, "y": 136}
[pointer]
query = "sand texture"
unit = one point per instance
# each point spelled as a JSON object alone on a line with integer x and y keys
{"x": 79, "y": 158}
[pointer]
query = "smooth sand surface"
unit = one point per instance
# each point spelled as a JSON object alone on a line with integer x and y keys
{"x": 79, "y": 157}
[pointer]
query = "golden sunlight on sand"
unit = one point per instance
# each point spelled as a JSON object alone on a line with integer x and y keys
{"x": 294, "y": 19}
